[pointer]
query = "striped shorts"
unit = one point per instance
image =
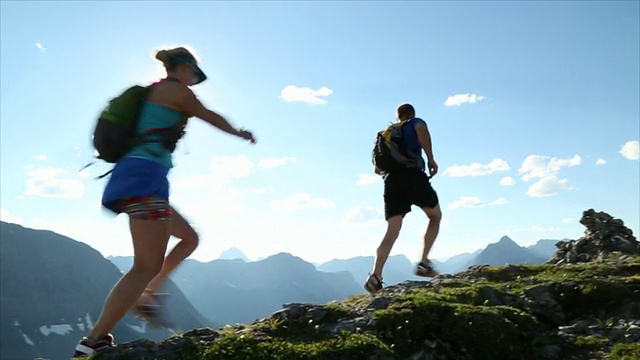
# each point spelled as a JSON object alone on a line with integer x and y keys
{"x": 145, "y": 208}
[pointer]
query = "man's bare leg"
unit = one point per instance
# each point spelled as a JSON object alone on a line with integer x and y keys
{"x": 374, "y": 281}
{"x": 394, "y": 224}
{"x": 435, "y": 215}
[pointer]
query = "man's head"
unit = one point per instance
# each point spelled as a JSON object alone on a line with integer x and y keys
{"x": 405, "y": 112}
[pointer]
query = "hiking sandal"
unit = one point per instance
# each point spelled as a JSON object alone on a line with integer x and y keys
{"x": 151, "y": 307}
{"x": 426, "y": 270}
{"x": 373, "y": 283}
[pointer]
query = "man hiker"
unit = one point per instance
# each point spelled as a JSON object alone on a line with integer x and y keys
{"x": 405, "y": 186}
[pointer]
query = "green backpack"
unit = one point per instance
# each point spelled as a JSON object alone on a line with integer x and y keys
{"x": 115, "y": 132}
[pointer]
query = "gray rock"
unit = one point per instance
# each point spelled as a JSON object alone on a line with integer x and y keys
{"x": 291, "y": 311}
{"x": 616, "y": 334}
{"x": 604, "y": 236}
{"x": 579, "y": 327}
{"x": 316, "y": 314}
{"x": 490, "y": 296}
{"x": 551, "y": 351}
{"x": 346, "y": 325}
{"x": 539, "y": 301}
{"x": 381, "y": 302}
{"x": 171, "y": 348}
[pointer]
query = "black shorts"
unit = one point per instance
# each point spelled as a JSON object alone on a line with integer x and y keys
{"x": 405, "y": 188}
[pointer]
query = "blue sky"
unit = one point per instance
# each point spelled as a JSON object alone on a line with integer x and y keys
{"x": 533, "y": 109}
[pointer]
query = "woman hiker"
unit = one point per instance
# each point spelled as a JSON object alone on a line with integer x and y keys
{"x": 139, "y": 187}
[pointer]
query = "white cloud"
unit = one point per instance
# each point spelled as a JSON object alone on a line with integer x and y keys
{"x": 477, "y": 169}
{"x": 292, "y": 93}
{"x": 474, "y": 202}
{"x": 222, "y": 170}
{"x": 601, "y": 161}
{"x": 46, "y": 182}
{"x": 41, "y": 47}
{"x": 546, "y": 169}
{"x": 548, "y": 186}
{"x": 273, "y": 162}
{"x": 567, "y": 220}
{"x": 238, "y": 166}
{"x": 301, "y": 201}
{"x": 41, "y": 157}
{"x": 536, "y": 166}
{"x": 631, "y": 150}
{"x": 367, "y": 179}
{"x": 208, "y": 198}
{"x": 507, "y": 181}
{"x": 258, "y": 190}
{"x": 8, "y": 217}
{"x": 364, "y": 216}
{"x": 459, "y": 99}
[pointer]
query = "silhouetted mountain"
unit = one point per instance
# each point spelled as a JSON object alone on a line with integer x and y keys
{"x": 545, "y": 247}
{"x": 232, "y": 291}
{"x": 506, "y": 251}
{"x": 233, "y": 253}
{"x": 397, "y": 269}
{"x": 52, "y": 289}
{"x": 455, "y": 263}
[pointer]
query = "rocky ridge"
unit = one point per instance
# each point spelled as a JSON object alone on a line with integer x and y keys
{"x": 582, "y": 307}
{"x": 603, "y": 235}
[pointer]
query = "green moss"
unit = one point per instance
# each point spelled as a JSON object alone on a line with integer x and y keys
{"x": 473, "y": 294}
{"x": 489, "y": 332}
{"x": 342, "y": 345}
{"x": 590, "y": 297}
{"x": 335, "y": 312}
{"x": 547, "y": 273}
{"x": 591, "y": 342}
{"x": 621, "y": 351}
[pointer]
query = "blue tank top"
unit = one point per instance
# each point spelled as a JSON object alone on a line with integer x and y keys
{"x": 154, "y": 116}
{"x": 412, "y": 142}
{"x": 411, "y": 136}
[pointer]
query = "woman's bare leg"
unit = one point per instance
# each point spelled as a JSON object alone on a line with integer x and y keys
{"x": 150, "y": 238}
{"x": 181, "y": 229}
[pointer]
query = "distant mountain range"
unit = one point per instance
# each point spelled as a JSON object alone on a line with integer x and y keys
{"x": 235, "y": 291}
{"x": 52, "y": 289}
{"x": 232, "y": 254}
{"x": 226, "y": 290}
{"x": 398, "y": 268}
{"x": 545, "y": 248}
{"x": 506, "y": 251}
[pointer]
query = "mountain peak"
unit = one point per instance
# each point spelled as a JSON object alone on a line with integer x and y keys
{"x": 232, "y": 254}
{"x": 506, "y": 240}
{"x": 283, "y": 256}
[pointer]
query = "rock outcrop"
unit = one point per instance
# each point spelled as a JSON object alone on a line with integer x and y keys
{"x": 576, "y": 310}
{"x": 604, "y": 235}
